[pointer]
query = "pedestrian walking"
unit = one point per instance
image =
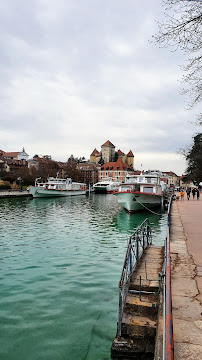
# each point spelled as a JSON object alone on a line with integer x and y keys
{"x": 188, "y": 191}
{"x": 197, "y": 194}
{"x": 182, "y": 195}
{"x": 193, "y": 193}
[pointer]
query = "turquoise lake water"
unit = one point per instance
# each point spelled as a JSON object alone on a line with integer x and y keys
{"x": 60, "y": 264}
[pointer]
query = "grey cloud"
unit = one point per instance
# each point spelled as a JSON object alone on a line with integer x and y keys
{"x": 70, "y": 65}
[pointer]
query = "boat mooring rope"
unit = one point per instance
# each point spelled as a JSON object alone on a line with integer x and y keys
{"x": 153, "y": 212}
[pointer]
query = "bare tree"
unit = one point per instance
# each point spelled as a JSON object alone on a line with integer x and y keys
{"x": 181, "y": 29}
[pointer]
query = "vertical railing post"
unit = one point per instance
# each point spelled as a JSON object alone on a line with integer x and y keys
{"x": 137, "y": 248}
{"x": 120, "y": 313}
{"x": 143, "y": 244}
{"x": 147, "y": 234}
{"x": 130, "y": 259}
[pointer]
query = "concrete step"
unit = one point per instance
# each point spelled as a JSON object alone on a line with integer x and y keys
{"x": 147, "y": 306}
{"x": 125, "y": 348}
{"x": 150, "y": 286}
{"x": 138, "y": 326}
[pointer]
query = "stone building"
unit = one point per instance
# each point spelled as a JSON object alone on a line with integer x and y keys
{"x": 108, "y": 151}
{"x": 108, "y": 154}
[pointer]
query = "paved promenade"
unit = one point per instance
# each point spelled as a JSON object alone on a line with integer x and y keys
{"x": 186, "y": 277}
{"x": 14, "y": 193}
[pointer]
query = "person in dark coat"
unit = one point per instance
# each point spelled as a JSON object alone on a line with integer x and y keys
{"x": 198, "y": 194}
{"x": 193, "y": 193}
{"x": 188, "y": 191}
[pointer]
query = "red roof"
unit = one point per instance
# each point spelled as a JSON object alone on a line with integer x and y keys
{"x": 11, "y": 154}
{"x": 86, "y": 166}
{"x": 120, "y": 152}
{"x": 108, "y": 143}
{"x": 2, "y": 153}
{"x": 170, "y": 173}
{"x": 130, "y": 154}
{"x": 118, "y": 165}
{"x": 95, "y": 151}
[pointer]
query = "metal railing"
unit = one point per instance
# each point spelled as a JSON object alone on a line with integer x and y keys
{"x": 136, "y": 245}
{"x": 168, "y": 345}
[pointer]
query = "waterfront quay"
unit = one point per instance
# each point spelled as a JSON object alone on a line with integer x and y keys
{"x": 14, "y": 193}
{"x": 180, "y": 303}
{"x": 186, "y": 278}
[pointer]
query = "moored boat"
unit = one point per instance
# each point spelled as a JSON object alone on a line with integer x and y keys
{"x": 55, "y": 187}
{"x": 141, "y": 192}
{"x": 106, "y": 186}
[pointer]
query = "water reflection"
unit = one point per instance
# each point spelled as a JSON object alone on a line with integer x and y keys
{"x": 61, "y": 261}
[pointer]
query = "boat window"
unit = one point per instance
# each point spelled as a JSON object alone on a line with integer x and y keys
{"x": 149, "y": 180}
{"x": 141, "y": 179}
{"x": 148, "y": 190}
{"x": 125, "y": 188}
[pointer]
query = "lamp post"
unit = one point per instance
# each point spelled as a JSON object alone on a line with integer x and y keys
{"x": 20, "y": 182}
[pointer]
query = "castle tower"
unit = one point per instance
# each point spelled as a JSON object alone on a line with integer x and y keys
{"x": 108, "y": 151}
{"x": 93, "y": 156}
{"x": 130, "y": 158}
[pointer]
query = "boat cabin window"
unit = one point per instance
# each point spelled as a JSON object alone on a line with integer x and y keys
{"x": 125, "y": 188}
{"x": 141, "y": 179}
{"x": 148, "y": 189}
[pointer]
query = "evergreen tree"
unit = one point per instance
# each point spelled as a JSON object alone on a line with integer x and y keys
{"x": 116, "y": 157}
{"x": 101, "y": 161}
{"x": 194, "y": 160}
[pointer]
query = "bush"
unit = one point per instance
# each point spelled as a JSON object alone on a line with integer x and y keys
{"x": 5, "y": 187}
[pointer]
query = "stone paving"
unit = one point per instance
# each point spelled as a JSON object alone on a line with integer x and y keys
{"x": 186, "y": 277}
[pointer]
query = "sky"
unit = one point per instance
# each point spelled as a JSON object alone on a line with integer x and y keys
{"x": 77, "y": 73}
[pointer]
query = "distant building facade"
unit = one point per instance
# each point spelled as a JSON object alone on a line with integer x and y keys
{"x": 114, "y": 170}
{"x": 12, "y": 162}
{"x": 22, "y": 155}
{"x": 89, "y": 172}
{"x": 173, "y": 179}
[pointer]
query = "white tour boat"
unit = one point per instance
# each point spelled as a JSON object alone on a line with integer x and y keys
{"x": 106, "y": 186}
{"x": 141, "y": 192}
{"x": 57, "y": 187}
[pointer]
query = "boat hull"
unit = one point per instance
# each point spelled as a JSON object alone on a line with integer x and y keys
{"x": 133, "y": 202}
{"x": 38, "y": 192}
{"x": 100, "y": 190}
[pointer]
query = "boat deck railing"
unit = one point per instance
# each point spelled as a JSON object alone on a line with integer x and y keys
{"x": 136, "y": 245}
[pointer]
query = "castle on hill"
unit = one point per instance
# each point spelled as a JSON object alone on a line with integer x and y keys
{"x": 108, "y": 155}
